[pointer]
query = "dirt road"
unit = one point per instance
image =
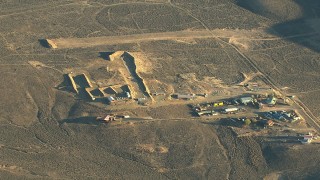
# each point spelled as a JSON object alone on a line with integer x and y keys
{"x": 253, "y": 35}
{"x": 109, "y": 40}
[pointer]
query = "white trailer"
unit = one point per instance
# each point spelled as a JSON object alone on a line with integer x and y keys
{"x": 231, "y": 110}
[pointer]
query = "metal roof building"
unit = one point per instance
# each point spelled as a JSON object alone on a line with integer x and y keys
{"x": 245, "y": 100}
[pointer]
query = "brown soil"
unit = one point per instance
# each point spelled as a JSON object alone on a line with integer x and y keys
{"x": 48, "y": 132}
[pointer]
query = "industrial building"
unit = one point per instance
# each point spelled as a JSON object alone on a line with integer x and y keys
{"x": 245, "y": 100}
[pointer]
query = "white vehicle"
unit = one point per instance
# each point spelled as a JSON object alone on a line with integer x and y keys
{"x": 231, "y": 110}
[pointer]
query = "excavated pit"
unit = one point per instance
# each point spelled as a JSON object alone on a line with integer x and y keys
{"x": 132, "y": 68}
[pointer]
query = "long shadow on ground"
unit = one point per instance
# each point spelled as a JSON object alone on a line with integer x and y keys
{"x": 308, "y": 25}
{"x": 83, "y": 120}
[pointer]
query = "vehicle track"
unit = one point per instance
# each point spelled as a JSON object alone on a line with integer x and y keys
{"x": 38, "y": 8}
{"x": 312, "y": 120}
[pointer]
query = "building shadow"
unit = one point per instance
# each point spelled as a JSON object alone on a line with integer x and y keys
{"x": 65, "y": 84}
{"x": 105, "y": 55}
{"x": 304, "y": 31}
{"x": 299, "y": 31}
{"x": 83, "y": 120}
{"x": 44, "y": 43}
{"x": 231, "y": 122}
{"x": 212, "y": 123}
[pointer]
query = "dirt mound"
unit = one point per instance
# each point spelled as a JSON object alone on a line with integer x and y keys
{"x": 273, "y": 9}
{"x": 240, "y": 44}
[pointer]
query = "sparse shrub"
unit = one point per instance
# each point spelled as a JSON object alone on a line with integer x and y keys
{"x": 247, "y": 122}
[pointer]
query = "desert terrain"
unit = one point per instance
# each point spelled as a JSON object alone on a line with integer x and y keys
{"x": 146, "y": 53}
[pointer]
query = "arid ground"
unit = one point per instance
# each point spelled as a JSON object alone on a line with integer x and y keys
{"x": 47, "y": 132}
